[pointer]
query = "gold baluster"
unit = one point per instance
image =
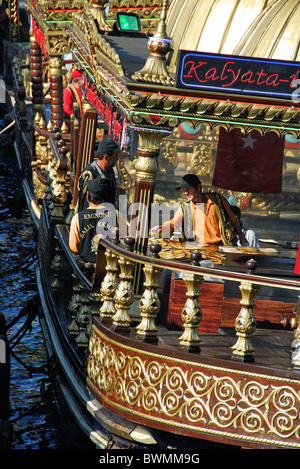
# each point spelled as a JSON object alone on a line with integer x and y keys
{"x": 109, "y": 286}
{"x": 150, "y": 303}
{"x": 36, "y": 77}
{"x": 56, "y": 90}
{"x": 124, "y": 296}
{"x": 191, "y": 314}
{"x": 56, "y": 192}
{"x": 245, "y": 323}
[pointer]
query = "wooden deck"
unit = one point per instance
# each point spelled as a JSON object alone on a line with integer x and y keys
{"x": 272, "y": 348}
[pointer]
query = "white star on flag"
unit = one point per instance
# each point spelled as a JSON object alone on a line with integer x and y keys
{"x": 249, "y": 141}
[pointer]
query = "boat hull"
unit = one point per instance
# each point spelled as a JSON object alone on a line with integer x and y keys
{"x": 204, "y": 398}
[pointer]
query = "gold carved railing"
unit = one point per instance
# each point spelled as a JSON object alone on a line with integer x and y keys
{"x": 130, "y": 367}
{"x": 113, "y": 281}
{"x": 116, "y": 308}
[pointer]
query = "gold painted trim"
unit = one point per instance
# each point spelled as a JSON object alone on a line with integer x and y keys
{"x": 191, "y": 400}
{"x": 204, "y": 431}
{"x": 190, "y": 363}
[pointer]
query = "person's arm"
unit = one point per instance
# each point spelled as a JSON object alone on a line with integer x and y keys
{"x": 240, "y": 233}
{"x": 251, "y": 238}
{"x": 74, "y": 240}
{"x": 168, "y": 227}
{"x": 68, "y": 102}
{"x": 236, "y": 224}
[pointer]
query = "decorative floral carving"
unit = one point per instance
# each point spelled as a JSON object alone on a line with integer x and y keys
{"x": 204, "y": 398}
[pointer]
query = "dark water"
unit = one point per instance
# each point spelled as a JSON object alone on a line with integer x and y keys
{"x": 35, "y": 423}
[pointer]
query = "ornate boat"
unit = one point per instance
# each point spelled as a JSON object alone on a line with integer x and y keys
{"x": 155, "y": 348}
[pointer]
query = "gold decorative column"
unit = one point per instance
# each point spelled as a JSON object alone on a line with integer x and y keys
{"x": 191, "y": 314}
{"x": 149, "y": 305}
{"x": 41, "y": 154}
{"x": 55, "y": 193}
{"x": 146, "y": 167}
{"x": 148, "y": 150}
{"x": 41, "y": 149}
{"x": 109, "y": 286}
{"x": 245, "y": 323}
{"x": 36, "y": 77}
{"x": 14, "y": 17}
{"x": 124, "y": 296}
{"x": 97, "y": 9}
{"x": 56, "y": 91}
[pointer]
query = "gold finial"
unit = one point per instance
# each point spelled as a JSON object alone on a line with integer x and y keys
{"x": 161, "y": 32}
{"x": 155, "y": 69}
{"x": 97, "y": 9}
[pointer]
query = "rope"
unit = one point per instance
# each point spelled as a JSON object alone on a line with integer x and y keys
{"x": 28, "y": 411}
{"x": 32, "y": 302}
{"x": 21, "y": 266}
{"x": 7, "y": 127}
{"x": 30, "y": 309}
{"x": 37, "y": 402}
{"x": 31, "y": 369}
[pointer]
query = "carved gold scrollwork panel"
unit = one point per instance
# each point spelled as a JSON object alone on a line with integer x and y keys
{"x": 58, "y": 45}
{"x": 246, "y": 408}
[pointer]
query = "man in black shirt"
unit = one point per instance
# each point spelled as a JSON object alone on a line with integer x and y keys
{"x": 99, "y": 218}
{"x": 102, "y": 168}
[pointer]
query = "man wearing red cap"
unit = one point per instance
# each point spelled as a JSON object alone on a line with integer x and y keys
{"x": 72, "y": 94}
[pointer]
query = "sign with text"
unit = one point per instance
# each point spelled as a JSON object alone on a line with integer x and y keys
{"x": 238, "y": 75}
{"x": 2, "y": 351}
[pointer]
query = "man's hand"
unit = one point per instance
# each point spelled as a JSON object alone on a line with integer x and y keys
{"x": 156, "y": 230}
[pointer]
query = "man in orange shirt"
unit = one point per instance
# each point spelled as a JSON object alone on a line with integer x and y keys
{"x": 72, "y": 94}
{"x": 207, "y": 217}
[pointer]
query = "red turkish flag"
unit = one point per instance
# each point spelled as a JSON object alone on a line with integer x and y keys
{"x": 249, "y": 162}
